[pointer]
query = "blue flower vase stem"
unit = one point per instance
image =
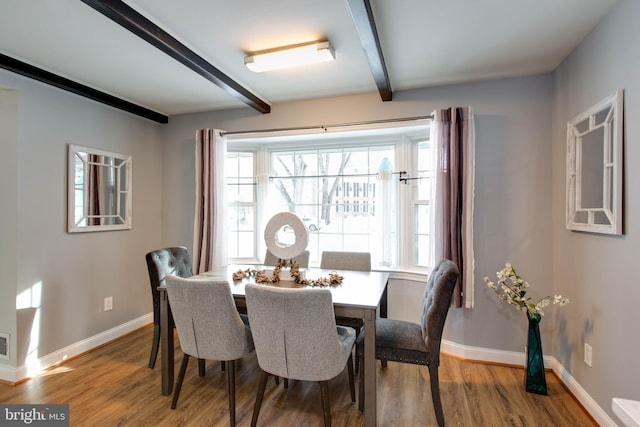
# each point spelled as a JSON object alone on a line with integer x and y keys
{"x": 535, "y": 379}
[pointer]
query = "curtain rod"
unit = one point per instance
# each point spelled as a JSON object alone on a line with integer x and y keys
{"x": 326, "y": 127}
{"x": 342, "y": 175}
{"x": 352, "y": 175}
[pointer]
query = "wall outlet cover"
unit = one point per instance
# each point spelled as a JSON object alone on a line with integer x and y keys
{"x": 588, "y": 355}
{"x": 4, "y": 345}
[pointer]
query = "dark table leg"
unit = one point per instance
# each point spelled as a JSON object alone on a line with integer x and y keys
{"x": 383, "y": 302}
{"x": 370, "y": 395}
{"x": 166, "y": 345}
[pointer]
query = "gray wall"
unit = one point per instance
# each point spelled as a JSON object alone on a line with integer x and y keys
{"x": 598, "y": 271}
{"x": 8, "y": 212}
{"x": 63, "y": 278}
{"x": 519, "y": 211}
{"x": 513, "y": 184}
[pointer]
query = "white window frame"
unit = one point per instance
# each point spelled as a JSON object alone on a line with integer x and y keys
{"x": 253, "y": 204}
{"x": 403, "y": 138}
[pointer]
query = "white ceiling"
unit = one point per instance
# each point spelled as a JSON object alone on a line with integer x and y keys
{"x": 424, "y": 43}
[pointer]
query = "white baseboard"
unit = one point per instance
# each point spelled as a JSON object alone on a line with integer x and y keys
{"x": 7, "y": 373}
{"x": 515, "y": 358}
{"x": 14, "y": 375}
{"x": 483, "y": 354}
{"x": 598, "y": 414}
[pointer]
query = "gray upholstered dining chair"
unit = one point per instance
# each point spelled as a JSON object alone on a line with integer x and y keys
{"x": 419, "y": 344}
{"x": 355, "y": 261}
{"x": 174, "y": 260}
{"x": 302, "y": 259}
{"x": 209, "y": 327}
{"x": 296, "y": 337}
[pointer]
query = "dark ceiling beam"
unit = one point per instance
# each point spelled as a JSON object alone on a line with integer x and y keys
{"x": 129, "y": 18}
{"x": 49, "y": 78}
{"x": 366, "y": 27}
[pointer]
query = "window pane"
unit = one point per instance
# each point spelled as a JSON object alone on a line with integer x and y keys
{"x": 245, "y": 190}
{"x": 241, "y": 195}
{"x": 246, "y": 244}
{"x": 245, "y": 164}
{"x": 232, "y": 243}
{"x": 424, "y": 156}
{"x": 423, "y": 216}
{"x": 424, "y": 171}
{"x": 422, "y": 241}
{"x": 240, "y": 218}
{"x": 423, "y": 251}
{"x": 240, "y": 181}
{"x": 334, "y": 191}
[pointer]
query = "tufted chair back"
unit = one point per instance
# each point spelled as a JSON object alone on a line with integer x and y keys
{"x": 435, "y": 306}
{"x": 161, "y": 262}
{"x": 175, "y": 260}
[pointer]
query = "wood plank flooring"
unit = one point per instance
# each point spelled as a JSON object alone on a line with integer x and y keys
{"x": 112, "y": 386}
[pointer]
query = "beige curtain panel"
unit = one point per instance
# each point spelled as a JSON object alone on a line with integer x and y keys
{"x": 209, "y": 225}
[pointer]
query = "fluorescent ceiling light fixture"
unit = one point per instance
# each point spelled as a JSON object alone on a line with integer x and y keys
{"x": 290, "y": 56}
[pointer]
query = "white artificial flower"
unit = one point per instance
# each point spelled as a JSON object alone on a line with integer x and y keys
{"x": 512, "y": 290}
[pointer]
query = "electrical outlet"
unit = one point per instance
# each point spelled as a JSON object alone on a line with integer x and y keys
{"x": 587, "y": 355}
{"x": 108, "y": 303}
{"x": 4, "y": 345}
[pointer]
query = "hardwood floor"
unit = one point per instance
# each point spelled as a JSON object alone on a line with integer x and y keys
{"x": 112, "y": 386}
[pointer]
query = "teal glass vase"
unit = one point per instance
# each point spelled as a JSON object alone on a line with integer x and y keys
{"x": 535, "y": 379}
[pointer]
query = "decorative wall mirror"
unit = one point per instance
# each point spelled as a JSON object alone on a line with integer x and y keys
{"x": 99, "y": 190}
{"x": 594, "y": 168}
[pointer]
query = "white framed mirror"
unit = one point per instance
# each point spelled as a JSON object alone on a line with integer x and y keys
{"x": 594, "y": 168}
{"x": 99, "y": 190}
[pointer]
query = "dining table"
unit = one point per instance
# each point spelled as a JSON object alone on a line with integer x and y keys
{"x": 361, "y": 294}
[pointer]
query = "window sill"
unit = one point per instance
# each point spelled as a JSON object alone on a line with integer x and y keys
{"x": 415, "y": 275}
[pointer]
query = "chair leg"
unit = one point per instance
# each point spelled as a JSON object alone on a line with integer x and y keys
{"x": 155, "y": 344}
{"x": 276, "y": 379}
{"x": 326, "y": 404}
{"x": 222, "y": 366}
{"x": 259, "y": 395}
{"x": 435, "y": 394}
{"x": 202, "y": 369}
{"x": 183, "y": 369}
{"x": 361, "y": 384}
{"x": 352, "y": 387}
{"x": 231, "y": 385}
{"x": 357, "y": 369}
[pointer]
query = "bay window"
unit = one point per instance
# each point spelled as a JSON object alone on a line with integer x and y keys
{"x": 344, "y": 185}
